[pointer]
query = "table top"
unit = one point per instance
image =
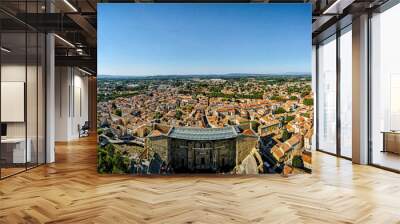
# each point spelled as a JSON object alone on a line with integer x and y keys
{"x": 13, "y": 140}
{"x": 391, "y": 132}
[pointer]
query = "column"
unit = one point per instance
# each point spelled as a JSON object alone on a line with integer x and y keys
{"x": 50, "y": 98}
{"x": 360, "y": 90}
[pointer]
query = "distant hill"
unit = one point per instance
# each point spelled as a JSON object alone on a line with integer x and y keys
{"x": 205, "y": 76}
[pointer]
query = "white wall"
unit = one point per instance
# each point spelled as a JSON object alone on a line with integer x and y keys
{"x": 71, "y": 102}
{"x": 80, "y": 110}
{"x": 62, "y": 82}
{"x": 14, "y": 72}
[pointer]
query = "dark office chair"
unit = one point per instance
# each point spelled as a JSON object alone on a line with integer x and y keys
{"x": 84, "y": 130}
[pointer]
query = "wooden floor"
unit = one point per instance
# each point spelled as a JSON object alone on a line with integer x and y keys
{"x": 5, "y": 172}
{"x": 386, "y": 159}
{"x": 70, "y": 191}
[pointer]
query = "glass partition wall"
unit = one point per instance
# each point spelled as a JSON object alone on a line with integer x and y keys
{"x": 22, "y": 78}
{"x": 385, "y": 89}
{"x": 334, "y": 90}
{"x": 345, "y": 108}
{"x": 334, "y": 94}
{"x": 327, "y": 95}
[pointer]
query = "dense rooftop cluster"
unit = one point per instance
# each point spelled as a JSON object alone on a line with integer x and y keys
{"x": 277, "y": 109}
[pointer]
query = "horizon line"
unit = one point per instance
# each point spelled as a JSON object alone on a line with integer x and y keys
{"x": 207, "y": 74}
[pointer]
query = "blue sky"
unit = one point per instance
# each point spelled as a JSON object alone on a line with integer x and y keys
{"x": 162, "y": 39}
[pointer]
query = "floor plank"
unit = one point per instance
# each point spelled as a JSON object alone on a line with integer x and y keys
{"x": 71, "y": 191}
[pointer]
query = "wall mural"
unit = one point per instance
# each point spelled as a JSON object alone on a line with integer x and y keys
{"x": 204, "y": 88}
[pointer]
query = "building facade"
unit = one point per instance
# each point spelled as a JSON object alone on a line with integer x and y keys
{"x": 202, "y": 149}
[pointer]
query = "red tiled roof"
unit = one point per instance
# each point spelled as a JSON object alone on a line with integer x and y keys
{"x": 155, "y": 133}
{"x": 306, "y": 157}
{"x": 277, "y": 152}
{"x": 248, "y": 132}
{"x": 295, "y": 139}
{"x": 285, "y": 147}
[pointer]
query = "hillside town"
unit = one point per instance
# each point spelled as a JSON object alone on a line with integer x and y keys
{"x": 275, "y": 113}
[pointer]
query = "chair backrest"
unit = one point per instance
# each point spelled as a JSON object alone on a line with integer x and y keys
{"x": 86, "y": 125}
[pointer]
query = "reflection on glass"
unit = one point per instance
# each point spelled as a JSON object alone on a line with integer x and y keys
{"x": 31, "y": 97}
{"x": 23, "y": 92}
{"x": 327, "y": 96}
{"x": 346, "y": 92}
{"x": 385, "y": 84}
{"x": 41, "y": 98}
{"x": 14, "y": 153}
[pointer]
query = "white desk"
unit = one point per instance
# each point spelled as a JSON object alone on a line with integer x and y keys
{"x": 18, "y": 149}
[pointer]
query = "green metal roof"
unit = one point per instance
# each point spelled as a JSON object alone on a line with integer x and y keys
{"x": 204, "y": 134}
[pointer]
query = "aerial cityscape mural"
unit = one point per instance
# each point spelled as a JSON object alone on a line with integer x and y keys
{"x": 199, "y": 88}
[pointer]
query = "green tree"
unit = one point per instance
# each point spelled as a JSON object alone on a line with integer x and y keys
{"x": 178, "y": 114}
{"x": 254, "y": 126}
{"x": 111, "y": 160}
{"x": 305, "y": 115}
{"x": 157, "y": 115}
{"x": 119, "y": 88}
{"x": 289, "y": 118}
{"x": 308, "y": 102}
{"x": 275, "y": 97}
{"x": 297, "y": 161}
{"x": 285, "y": 135}
{"x": 293, "y": 98}
{"x": 189, "y": 108}
{"x": 118, "y": 112}
{"x": 280, "y": 110}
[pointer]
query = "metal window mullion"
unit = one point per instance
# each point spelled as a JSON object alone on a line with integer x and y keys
{"x": 45, "y": 95}
{"x": 316, "y": 106}
{"x": 369, "y": 81}
{"x": 26, "y": 86}
{"x": 37, "y": 91}
{"x": 338, "y": 92}
{"x": 73, "y": 92}
{"x": 69, "y": 92}
{"x": 0, "y": 94}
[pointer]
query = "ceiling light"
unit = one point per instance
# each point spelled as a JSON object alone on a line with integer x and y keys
{"x": 84, "y": 71}
{"x": 79, "y": 51}
{"x": 64, "y": 40}
{"x": 70, "y": 5}
{"x": 337, "y": 7}
{"x": 5, "y": 50}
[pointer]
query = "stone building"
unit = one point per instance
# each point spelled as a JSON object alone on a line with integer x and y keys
{"x": 202, "y": 149}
